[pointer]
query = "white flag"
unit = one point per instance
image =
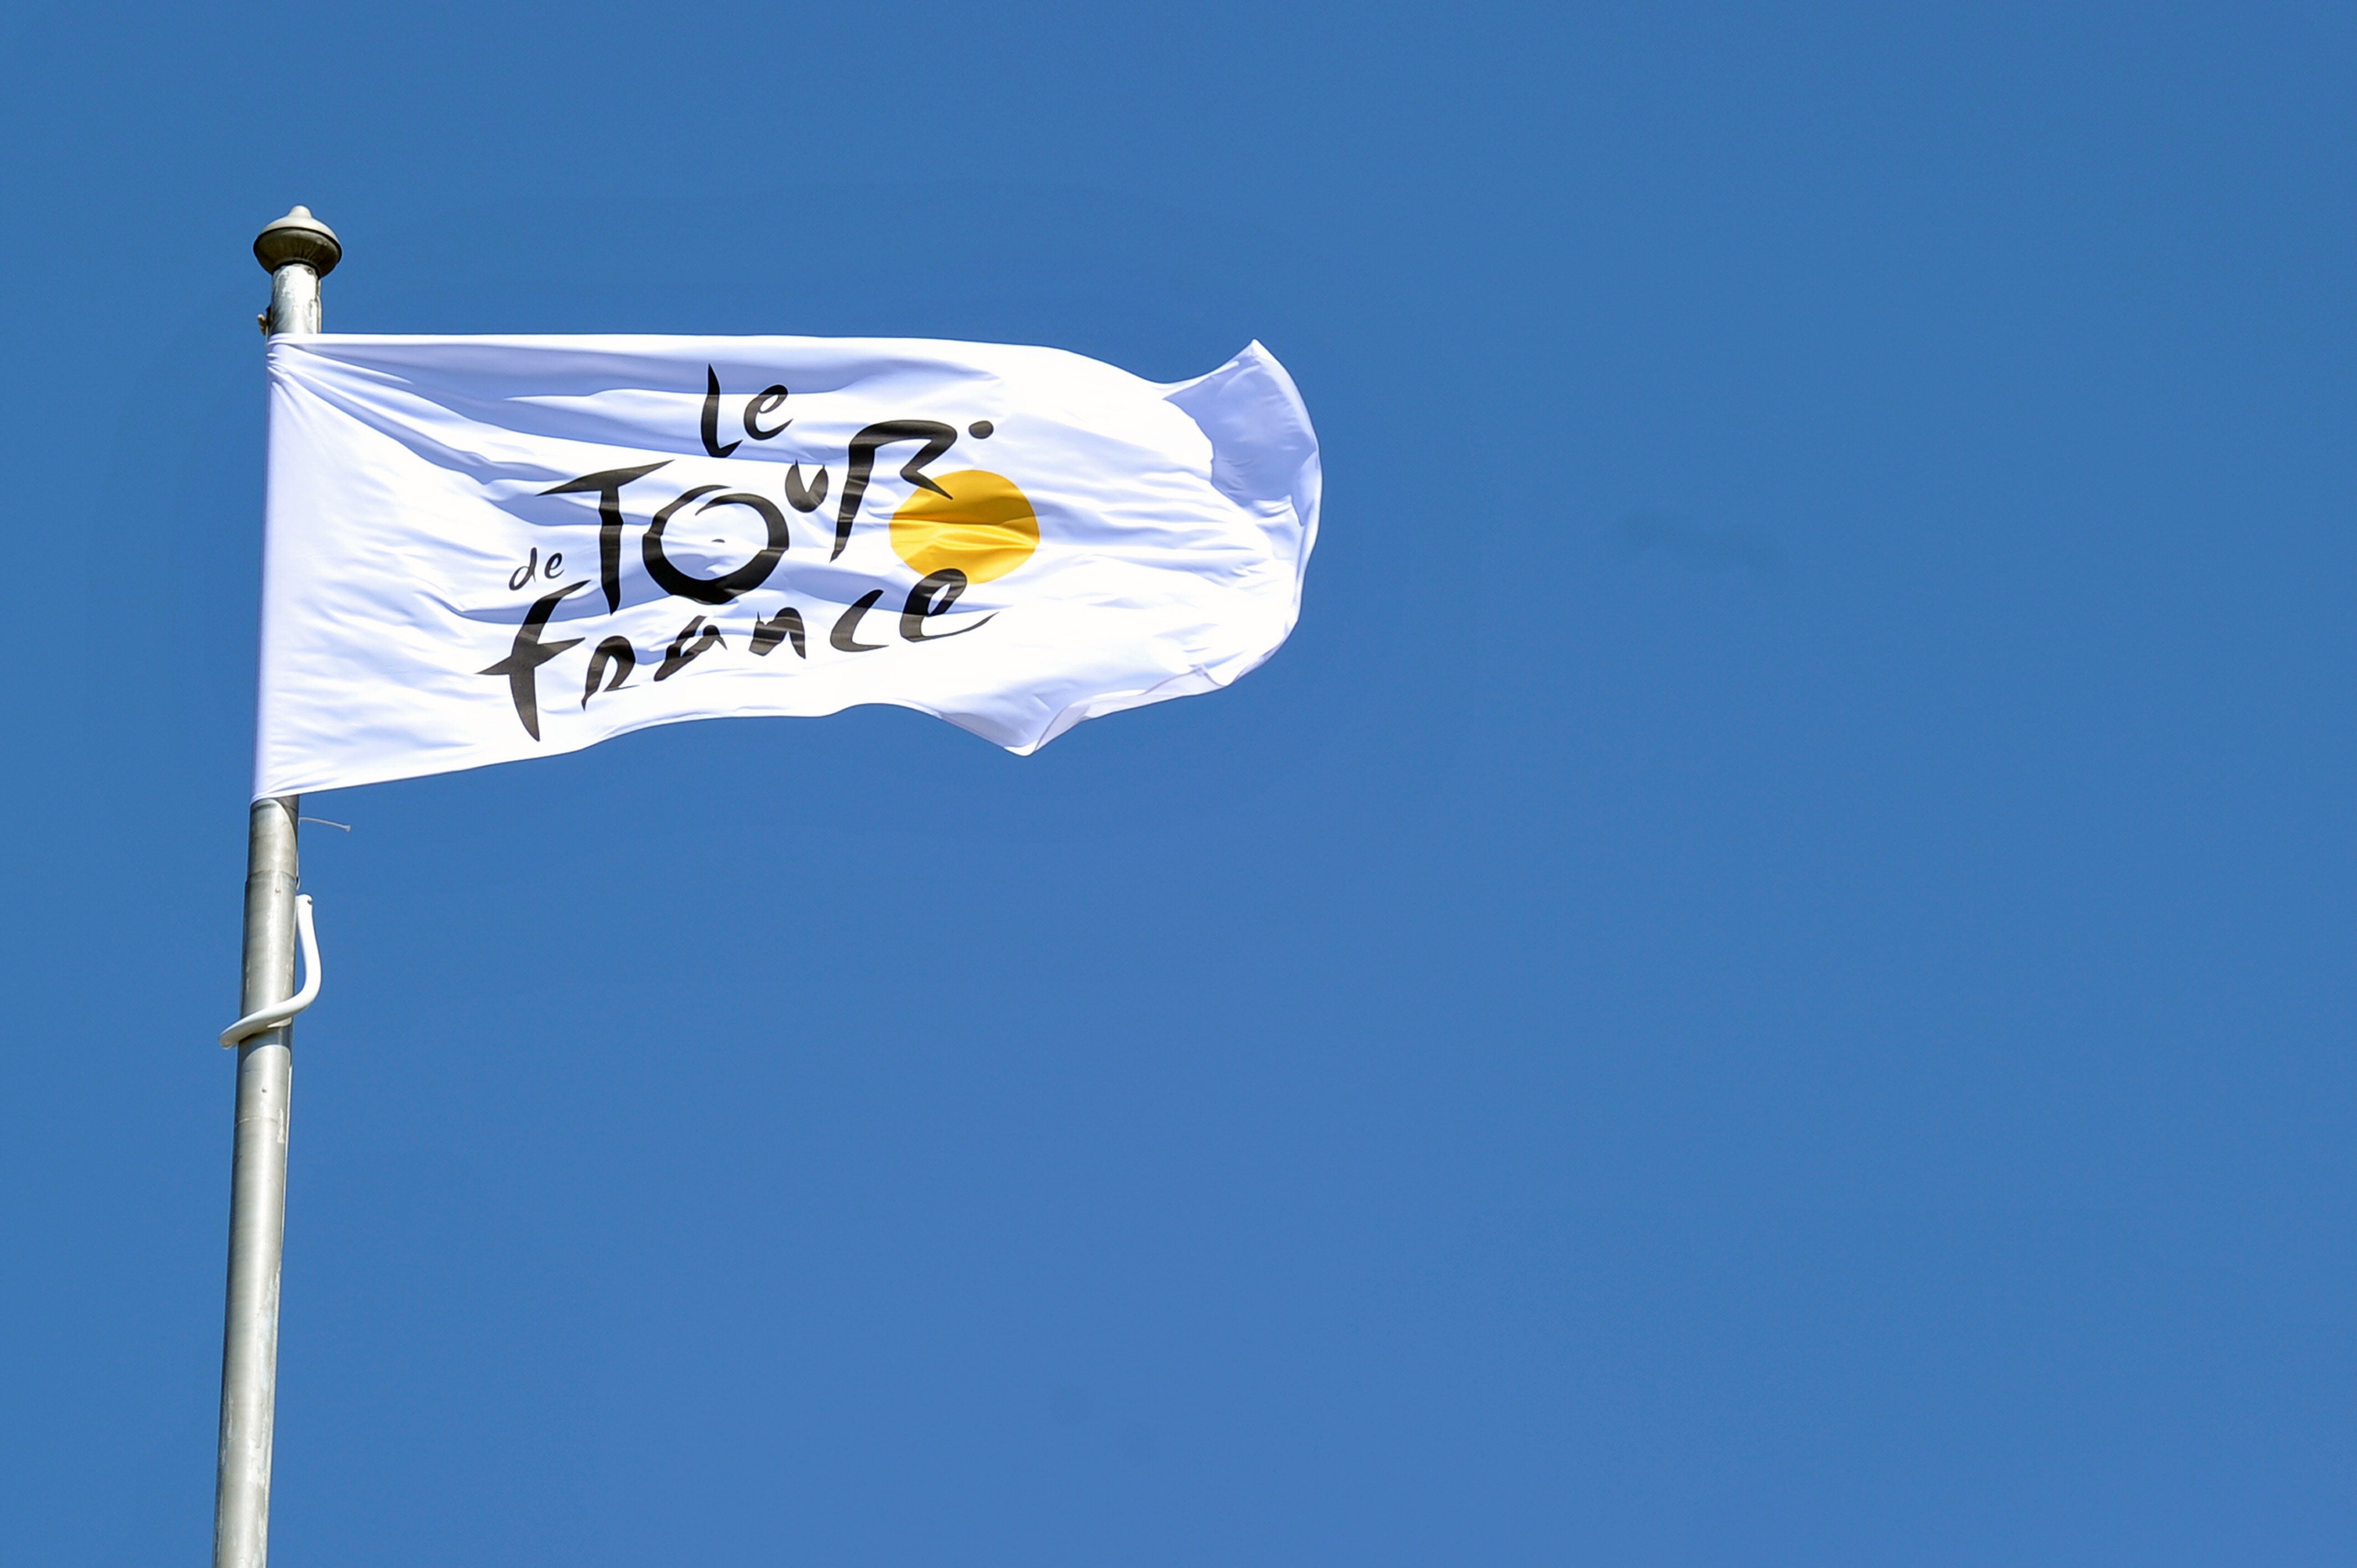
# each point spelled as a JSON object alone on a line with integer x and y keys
{"x": 481, "y": 549}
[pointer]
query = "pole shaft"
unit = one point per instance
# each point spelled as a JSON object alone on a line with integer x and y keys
{"x": 294, "y": 299}
{"x": 257, "y": 1205}
{"x": 266, "y": 1083}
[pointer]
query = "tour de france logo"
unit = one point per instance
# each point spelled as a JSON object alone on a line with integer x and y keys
{"x": 958, "y": 528}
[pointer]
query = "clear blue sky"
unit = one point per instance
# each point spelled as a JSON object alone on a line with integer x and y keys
{"x": 1766, "y": 981}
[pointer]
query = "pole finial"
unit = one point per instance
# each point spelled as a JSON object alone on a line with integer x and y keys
{"x": 298, "y": 237}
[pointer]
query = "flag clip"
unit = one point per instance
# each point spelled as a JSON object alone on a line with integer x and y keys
{"x": 277, "y": 1013}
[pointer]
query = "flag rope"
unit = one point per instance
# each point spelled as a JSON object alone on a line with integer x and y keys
{"x": 278, "y": 1013}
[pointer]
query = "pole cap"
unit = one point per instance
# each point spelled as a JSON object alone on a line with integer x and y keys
{"x": 298, "y": 237}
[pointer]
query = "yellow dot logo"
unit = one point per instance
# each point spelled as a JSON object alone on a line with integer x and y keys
{"x": 984, "y": 526}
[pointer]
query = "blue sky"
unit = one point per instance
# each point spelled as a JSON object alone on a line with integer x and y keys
{"x": 1765, "y": 980}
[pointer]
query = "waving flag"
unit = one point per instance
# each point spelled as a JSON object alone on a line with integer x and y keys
{"x": 481, "y": 549}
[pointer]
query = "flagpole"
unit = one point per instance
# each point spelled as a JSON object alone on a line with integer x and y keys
{"x": 297, "y": 251}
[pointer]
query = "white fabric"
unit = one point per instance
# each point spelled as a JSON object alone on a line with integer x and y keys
{"x": 411, "y": 532}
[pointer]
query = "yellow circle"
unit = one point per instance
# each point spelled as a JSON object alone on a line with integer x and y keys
{"x": 984, "y": 527}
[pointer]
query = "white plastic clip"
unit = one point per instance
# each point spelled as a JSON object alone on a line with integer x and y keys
{"x": 277, "y": 1013}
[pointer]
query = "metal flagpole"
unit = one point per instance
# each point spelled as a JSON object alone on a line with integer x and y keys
{"x": 298, "y": 250}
